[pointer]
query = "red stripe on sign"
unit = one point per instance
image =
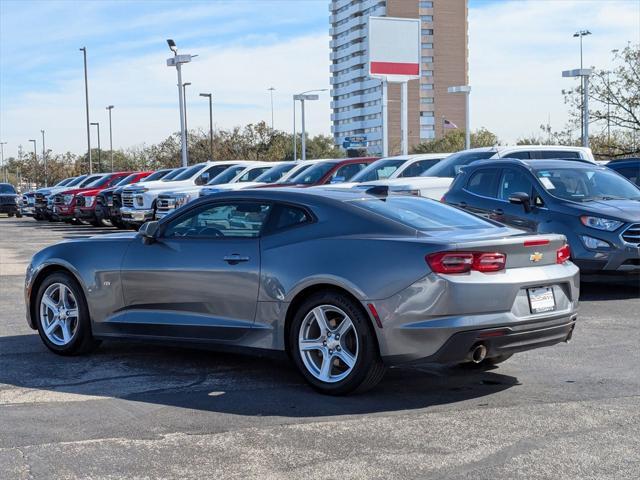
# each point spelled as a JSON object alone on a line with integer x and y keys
{"x": 392, "y": 68}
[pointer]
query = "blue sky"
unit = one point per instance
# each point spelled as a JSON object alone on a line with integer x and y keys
{"x": 517, "y": 49}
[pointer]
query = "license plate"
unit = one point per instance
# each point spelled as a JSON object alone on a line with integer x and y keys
{"x": 541, "y": 299}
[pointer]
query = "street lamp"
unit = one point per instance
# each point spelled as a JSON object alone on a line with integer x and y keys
{"x": 177, "y": 61}
{"x": 109, "y": 108}
{"x": 584, "y": 74}
{"x": 271, "y": 89}
{"x": 210, "y": 97}
{"x": 97, "y": 124}
{"x": 2, "y": 165}
{"x": 579, "y": 34}
{"x": 86, "y": 101}
{"x": 44, "y": 159}
{"x": 302, "y": 97}
{"x": 466, "y": 89}
{"x": 35, "y": 156}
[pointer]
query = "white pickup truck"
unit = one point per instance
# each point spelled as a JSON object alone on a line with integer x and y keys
{"x": 240, "y": 172}
{"x": 435, "y": 181}
{"x": 139, "y": 200}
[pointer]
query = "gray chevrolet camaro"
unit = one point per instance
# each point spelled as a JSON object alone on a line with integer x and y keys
{"x": 347, "y": 283}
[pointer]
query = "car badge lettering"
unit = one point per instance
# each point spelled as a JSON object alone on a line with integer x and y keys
{"x": 536, "y": 257}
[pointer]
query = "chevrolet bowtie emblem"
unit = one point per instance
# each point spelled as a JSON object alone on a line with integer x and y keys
{"x": 535, "y": 257}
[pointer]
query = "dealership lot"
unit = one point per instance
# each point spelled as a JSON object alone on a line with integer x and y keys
{"x": 569, "y": 411}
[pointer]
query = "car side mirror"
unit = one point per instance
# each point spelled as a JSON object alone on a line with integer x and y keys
{"x": 522, "y": 198}
{"x": 149, "y": 232}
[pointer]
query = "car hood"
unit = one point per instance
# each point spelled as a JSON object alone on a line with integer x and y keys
{"x": 625, "y": 210}
{"x": 75, "y": 191}
{"x": 122, "y": 235}
{"x": 90, "y": 192}
{"x": 160, "y": 185}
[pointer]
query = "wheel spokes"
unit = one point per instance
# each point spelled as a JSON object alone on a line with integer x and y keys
{"x": 347, "y": 358}
{"x": 325, "y": 367}
{"x": 321, "y": 319}
{"x": 66, "y": 331}
{"x": 51, "y": 304}
{"x": 314, "y": 344}
{"x": 344, "y": 327}
{"x": 52, "y": 326}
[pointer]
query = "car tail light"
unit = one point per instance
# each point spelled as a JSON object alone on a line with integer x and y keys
{"x": 536, "y": 243}
{"x": 563, "y": 254}
{"x": 463, "y": 262}
{"x": 489, "y": 262}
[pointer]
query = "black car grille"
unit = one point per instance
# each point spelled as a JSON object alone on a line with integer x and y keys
{"x": 58, "y": 199}
{"x": 7, "y": 200}
{"x": 41, "y": 200}
{"x": 632, "y": 234}
{"x": 80, "y": 201}
{"x": 117, "y": 200}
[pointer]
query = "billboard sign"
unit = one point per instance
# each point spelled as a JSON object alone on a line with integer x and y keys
{"x": 394, "y": 48}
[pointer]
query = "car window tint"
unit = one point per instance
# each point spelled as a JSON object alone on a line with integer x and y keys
{"x": 484, "y": 182}
{"x": 417, "y": 168}
{"x": 523, "y": 155}
{"x": 630, "y": 173}
{"x": 289, "y": 216}
{"x": 241, "y": 219}
{"x": 542, "y": 154}
{"x": 252, "y": 174}
{"x": 378, "y": 170}
{"x": 513, "y": 181}
{"x": 347, "y": 171}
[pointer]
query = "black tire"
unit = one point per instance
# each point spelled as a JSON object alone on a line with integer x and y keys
{"x": 368, "y": 369}
{"x": 10, "y": 214}
{"x": 98, "y": 223}
{"x": 82, "y": 340}
{"x": 18, "y": 215}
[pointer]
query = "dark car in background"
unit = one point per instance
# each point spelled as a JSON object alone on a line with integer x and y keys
{"x": 336, "y": 170}
{"x": 44, "y": 196}
{"x": 596, "y": 209}
{"x": 628, "y": 168}
{"x": 9, "y": 200}
{"x": 104, "y": 199}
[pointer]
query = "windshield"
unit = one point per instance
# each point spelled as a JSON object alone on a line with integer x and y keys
{"x": 6, "y": 188}
{"x": 188, "y": 173}
{"x": 314, "y": 174}
{"x": 450, "y": 166}
{"x": 156, "y": 175}
{"x": 251, "y": 174}
{"x": 380, "y": 170}
{"x": 90, "y": 181}
{"x": 127, "y": 180}
{"x": 226, "y": 176}
{"x": 76, "y": 181}
{"x": 275, "y": 173}
{"x": 296, "y": 171}
{"x": 422, "y": 214}
{"x": 171, "y": 175}
{"x": 64, "y": 182}
{"x": 585, "y": 185}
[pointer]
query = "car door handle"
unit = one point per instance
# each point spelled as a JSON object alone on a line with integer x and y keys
{"x": 235, "y": 258}
{"x": 497, "y": 211}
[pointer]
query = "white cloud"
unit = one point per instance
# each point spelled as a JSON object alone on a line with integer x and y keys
{"x": 518, "y": 50}
{"x": 143, "y": 90}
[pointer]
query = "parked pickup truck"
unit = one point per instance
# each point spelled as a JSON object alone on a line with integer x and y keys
{"x": 239, "y": 172}
{"x": 139, "y": 202}
{"x": 41, "y": 210}
{"x": 109, "y": 200}
{"x": 435, "y": 181}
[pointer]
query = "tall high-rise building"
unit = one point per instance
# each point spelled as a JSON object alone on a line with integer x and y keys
{"x": 357, "y": 99}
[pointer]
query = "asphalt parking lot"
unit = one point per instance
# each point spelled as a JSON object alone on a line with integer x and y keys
{"x": 141, "y": 411}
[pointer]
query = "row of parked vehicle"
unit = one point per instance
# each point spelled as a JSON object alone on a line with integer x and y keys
{"x": 543, "y": 189}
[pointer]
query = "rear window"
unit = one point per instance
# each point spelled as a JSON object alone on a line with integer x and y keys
{"x": 313, "y": 174}
{"x": 172, "y": 175}
{"x": 421, "y": 213}
{"x": 188, "y": 173}
{"x": 157, "y": 175}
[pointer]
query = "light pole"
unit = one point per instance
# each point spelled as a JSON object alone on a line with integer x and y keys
{"x": 86, "y": 100}
{"x": 177, "y": 61}
{"x": 210, "y": 97}
{"x": 44, "y": 159}
{"x": 2, "y": 166}
{"x": 184, "y": 96}
{"x": 584, "y": 74}
{"x": 109, "y": 108}
{"x": 271, "y": 89}
{"x": 579, "y": 34}
{"x": 35, "y": 156}
{"x": 302, "y": 97}
{"x": 97, "y": 124}
{"x": 466, "y": 89}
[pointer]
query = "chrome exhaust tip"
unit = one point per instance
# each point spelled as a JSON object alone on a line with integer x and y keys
{"x": 478, "y": 353}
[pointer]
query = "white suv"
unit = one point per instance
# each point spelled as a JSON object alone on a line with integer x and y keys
{"x": 139, "y": 200}
{"x": 435, "y": 181}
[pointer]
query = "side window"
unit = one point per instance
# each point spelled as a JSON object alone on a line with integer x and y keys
{"x": 253, "y": 174}
{"x": 289, "y": 216}
{"x": 416, "y": 169}
{"x": 484, "y": 182}
{"x": 241, "y": 219}
{"x": 521, "y": 155}
{"x": 345, "y": 172}
{"x": 630, "y": 173}
{"x": 113, "y": 181}
{"x": 541, "y": 154}
{"x": 513, "y": 181}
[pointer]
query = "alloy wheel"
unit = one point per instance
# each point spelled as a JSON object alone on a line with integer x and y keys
{"x": 59, "y": 314}
{"x": 328, "y": 343}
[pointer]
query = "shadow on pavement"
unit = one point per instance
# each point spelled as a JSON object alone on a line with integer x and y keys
{"x": 612, "y": 290}
{"x": 222, "y": 382}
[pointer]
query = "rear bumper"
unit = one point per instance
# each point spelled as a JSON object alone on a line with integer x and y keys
{"x": 133, "y": 215}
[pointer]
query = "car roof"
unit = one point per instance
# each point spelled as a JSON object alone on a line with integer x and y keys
{"x": 535, "y": 164}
